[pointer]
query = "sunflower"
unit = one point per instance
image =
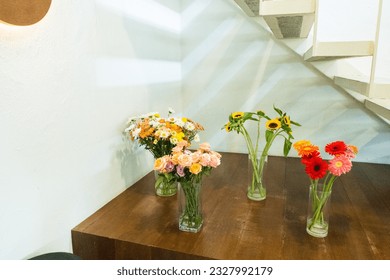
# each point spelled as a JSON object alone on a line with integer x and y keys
{"x": 273, "y": 124}
{"x": 237, "y": 115}
{"x": 228, "y": 128}
{"x": 286, "y": 120}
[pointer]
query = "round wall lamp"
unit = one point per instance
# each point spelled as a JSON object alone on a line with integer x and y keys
{"x": 23, "y": 12}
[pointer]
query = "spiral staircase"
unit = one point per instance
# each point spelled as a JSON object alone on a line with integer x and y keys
{"x": 360, "y": 66}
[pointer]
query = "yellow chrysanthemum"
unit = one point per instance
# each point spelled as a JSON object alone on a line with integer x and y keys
{"x": 184, "y": 120}
{"x": 179, "y": 136}
{"x": 273, "y": 124}
{"x": 237, "y": 115}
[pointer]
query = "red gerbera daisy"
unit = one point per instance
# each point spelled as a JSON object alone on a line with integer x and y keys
{"x": 316, "y": 168}
{"x": 307, "y": 158}
{"x": 336, "y": 148}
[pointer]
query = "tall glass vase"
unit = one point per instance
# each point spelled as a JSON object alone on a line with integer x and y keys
{"x": 190, "y": 206}
{"x": 318, "y": 211}
{"x": 164, "y": 186}
{"x": 257, "y": 165}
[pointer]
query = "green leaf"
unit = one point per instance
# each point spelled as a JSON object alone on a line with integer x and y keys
{"x": 260, "y": 113}
{"x": 295, "y": 123}
{"x": 159, "y": 180}
{"x": 287, "y": 147}
{"x": 280, "y": 112}
{"x": 268, "y": 135}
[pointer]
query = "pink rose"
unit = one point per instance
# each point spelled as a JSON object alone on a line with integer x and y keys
{"x": 180, "y": 170}
{"x": 195, "y": 156}
{"x": 205, "y": 159}
{"x": 169, "y": 166}
{"x": 205, "y": 147}
{"x": 185, "y": 160}
{"x": 177, "y": 149}
{"x": 214, "y": 161}
{"x": 218, "y": 155}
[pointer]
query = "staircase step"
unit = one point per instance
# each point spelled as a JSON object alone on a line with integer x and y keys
{"x": 362, "y": 85}
{"x": 284, "y": 27}
{"x": 334, "y": 50}
{"x": 380, "y": 107}
{"x": 289, "y": 19}
{"x": 250, "y": 7}
{"x": 357, "y": 84}
{"x": 287, "y": 7}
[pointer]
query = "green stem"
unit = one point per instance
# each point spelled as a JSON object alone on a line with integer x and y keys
{"x": 258, "y": 166}
{"x": 165, "y": 185}
{"x": 191, "y": 216}
{"x": 319, "y": 202}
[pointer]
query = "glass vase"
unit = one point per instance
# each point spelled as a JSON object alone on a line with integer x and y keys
{"x": 164, "y": 186}
{"x": 318, "y": 211}
{"x": 257, "y": 165}
{"x": 190, "y": 206}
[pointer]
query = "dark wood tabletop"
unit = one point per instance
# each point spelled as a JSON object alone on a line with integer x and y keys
{"x": 137, "y": 224}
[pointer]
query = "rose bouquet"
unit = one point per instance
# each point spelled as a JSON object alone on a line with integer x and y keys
{"x": 188, "y": 167}
{"x": 317, "y": 168}
{"x": 274, "y": 127}
{"x": 159, "y": 136}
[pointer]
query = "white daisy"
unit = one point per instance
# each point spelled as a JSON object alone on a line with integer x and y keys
{"x": 131, "y": 127}
{"x": 174, "y": 140}
{"x": 136, "y": 132}
{"x": 189, "y": 126}
{"x": 179, "y": 122}
{"x": 197, "y": 138}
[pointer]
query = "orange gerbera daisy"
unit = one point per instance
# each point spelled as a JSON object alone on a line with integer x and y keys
{"x": 305, "y": 148}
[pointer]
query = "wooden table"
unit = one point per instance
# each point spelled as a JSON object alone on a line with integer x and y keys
{"x": 139, "y": 225}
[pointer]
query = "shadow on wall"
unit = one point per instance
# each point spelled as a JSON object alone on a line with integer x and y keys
{"x": 134, "y": 161}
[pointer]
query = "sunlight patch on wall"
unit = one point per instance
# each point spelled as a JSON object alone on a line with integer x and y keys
{"x": 222, "y": 78}
{"x": 193, "y": 10}
{"x": 225, "y": 29}
{"x": 148, "y": 12}
{"x": 118, "y": 72}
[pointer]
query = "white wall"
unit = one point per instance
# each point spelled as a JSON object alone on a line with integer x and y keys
{"x": 237, "y": 66}
{"x": 339, "y": 20}
{"x": 67, "y": 86}
{"x": 382, "y": 71}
